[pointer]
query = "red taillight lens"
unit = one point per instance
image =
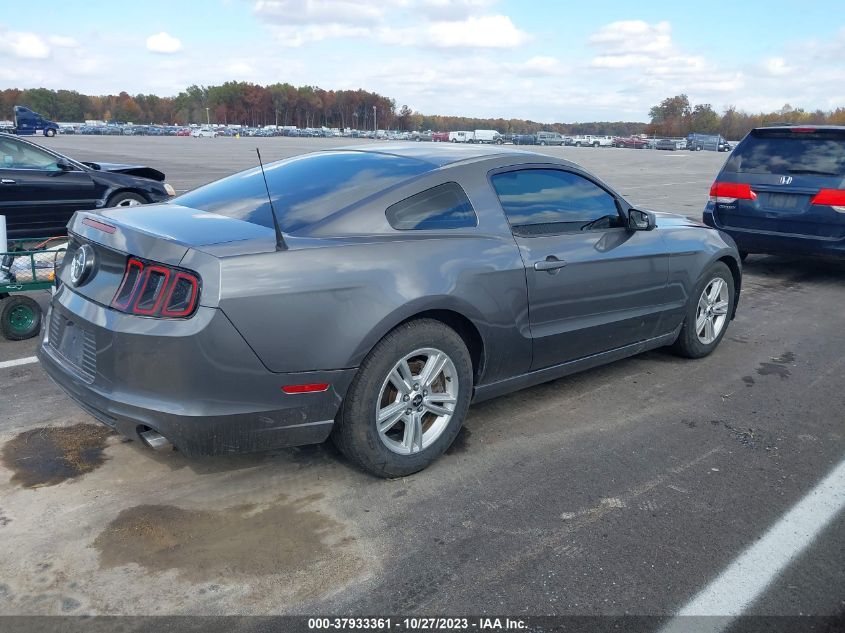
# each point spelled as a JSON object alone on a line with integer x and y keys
{"x": 150, "y": 289}
{"x": 831, "y": 197}
{"x": 728, "y": 192}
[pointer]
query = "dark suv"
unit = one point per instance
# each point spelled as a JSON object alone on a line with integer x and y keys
{"x": 783, "y": 191}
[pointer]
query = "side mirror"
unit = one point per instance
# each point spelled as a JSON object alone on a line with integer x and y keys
{"x": 64, "y": 165}
{"x": 641, "y": 220}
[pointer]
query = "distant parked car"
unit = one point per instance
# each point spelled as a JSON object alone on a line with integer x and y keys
{"x": 631, "y": 142}
{"x": 183, "y": 131}
{"x": 524, "y": 139}
{"x": 459, "y": 137}
{"x": 548, "y": 138}
{"x": 601, "y": 141}
{"x": 41, "y": 189}
{"x": 783, "y": 191}
{"x": 712, "y": 142}
{"x": 667, "y": 144}
{"x": 424, "y": 136}
{"x": 440, "y": 137}
{"x": 485, "y": 136}
{"x": 204, "y": 132}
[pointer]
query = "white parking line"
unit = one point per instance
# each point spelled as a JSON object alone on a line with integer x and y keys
{"x": 20, "y": 361}
{"x": 729, "y": 595}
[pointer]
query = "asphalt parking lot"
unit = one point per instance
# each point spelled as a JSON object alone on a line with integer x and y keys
{"x": 627, "y": 489}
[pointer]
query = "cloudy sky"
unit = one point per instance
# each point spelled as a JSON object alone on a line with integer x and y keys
{"x": 542, "y": 60}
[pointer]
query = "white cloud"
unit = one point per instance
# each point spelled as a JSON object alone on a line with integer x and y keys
{"x": 163, "y": 43}
{"x": 287, "y": 12}
{"x": 621, "y": 38}
{"x": 644, "y": 58}
{"x": 424, "y": 23}
{"x": 24, "y": 45}
{"x": 448, "y": 10}
{"x": 62, "y": 41}
{"x": 486, "y": 31}
{"x": 777, "y": 66}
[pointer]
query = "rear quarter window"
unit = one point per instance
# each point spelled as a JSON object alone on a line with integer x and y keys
{"x": 445, "y": 206}
{"x": 783, "y": 152}
{"x": 305, "y": 189}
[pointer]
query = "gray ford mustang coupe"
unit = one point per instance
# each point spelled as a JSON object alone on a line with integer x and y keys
{"x": 382, "y": 291}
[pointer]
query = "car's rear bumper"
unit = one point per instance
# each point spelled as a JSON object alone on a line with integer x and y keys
{"x": 198, "y": 384}
{"x": 752, "y": 241}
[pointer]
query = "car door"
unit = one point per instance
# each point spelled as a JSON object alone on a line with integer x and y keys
{"x": 593, "y": 285}
{"x": 37, "y": 195}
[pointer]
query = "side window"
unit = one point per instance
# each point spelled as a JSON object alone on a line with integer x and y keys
{"x": 538, "y": 201}
{"x": 17, "y": 155}
{"x": 445, "y": 206}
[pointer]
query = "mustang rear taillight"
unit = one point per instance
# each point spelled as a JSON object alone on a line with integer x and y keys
{"x": 832, "y": 197}
{"x": 156, "y": 290}
{"x": 729, "y": 192}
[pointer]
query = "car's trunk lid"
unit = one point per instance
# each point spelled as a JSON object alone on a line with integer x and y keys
{"x": 162, "y": 233}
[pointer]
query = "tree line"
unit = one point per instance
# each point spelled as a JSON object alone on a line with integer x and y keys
{"x": 277, "y": 104}
{"x": 677, "y": 117}
{"x": 238, "y": 102}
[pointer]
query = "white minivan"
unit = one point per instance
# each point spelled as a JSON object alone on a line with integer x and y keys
{"x": 459, "y": 137}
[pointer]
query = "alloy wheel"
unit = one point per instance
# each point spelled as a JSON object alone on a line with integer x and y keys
{"x": 417, "y": 401}
{"x": 712, "y": 311}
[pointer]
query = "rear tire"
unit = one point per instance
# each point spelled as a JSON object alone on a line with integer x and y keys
{"x": 695, "y": 340}
{"x": 400, "y": 357}
{"x": 20, "y": 318}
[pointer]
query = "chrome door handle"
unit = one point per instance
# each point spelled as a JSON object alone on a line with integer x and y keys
{"x": 6, "y": 181}
{"x": 551, "y": 264}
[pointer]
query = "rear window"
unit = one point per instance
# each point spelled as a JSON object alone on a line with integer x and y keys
{"x": 445, "y": 206}
{"x": 781, "y": 152}
{"x": 304, "y": 189}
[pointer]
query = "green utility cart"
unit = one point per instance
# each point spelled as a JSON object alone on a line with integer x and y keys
{"x": 27, "y": 265}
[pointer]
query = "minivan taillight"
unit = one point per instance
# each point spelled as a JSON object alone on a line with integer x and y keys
{"x": 156, "y": 290}
{"x": 728, "y": 192}
{"x": 832, "y": 197}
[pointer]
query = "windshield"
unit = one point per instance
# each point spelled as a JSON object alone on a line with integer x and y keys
{"x": 784, "y": 152}
{"x": 305, "y": 189}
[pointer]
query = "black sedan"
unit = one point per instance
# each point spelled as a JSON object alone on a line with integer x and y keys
{"x": 40, "y": 189}
{"x": 666, "y": 144}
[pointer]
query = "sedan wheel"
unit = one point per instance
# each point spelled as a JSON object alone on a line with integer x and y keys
{"x": 708, "y": 313}
{"x": 126, "y": 199}
{"x": 407, "y": 401}
{"x": 712, "y": 312}
{"x": 417, "y": 401}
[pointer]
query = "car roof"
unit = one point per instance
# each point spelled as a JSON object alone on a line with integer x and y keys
{"x": 440, "y": 154}
{"x": 806, "y": 126}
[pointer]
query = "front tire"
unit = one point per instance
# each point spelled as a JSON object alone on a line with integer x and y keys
{"x": 407, "y": 401}
{"x": 708, "y": 313}
{"x": 126, "y": 199}
{"x": 50, "y": 132}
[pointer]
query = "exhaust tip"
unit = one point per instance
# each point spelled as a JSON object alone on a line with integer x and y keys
{"x": 155, "y": 440}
